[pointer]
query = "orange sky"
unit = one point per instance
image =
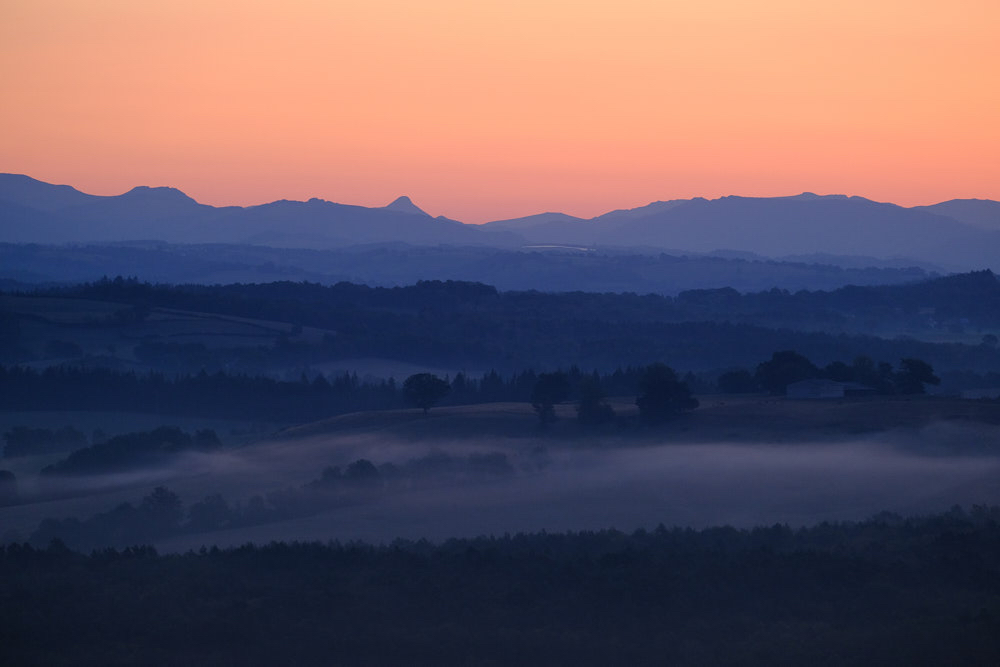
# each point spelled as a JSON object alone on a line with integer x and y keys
{"x": 486, "y": 110}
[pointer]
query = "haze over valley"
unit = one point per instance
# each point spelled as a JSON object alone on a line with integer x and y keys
{"x": 486, "y": 334}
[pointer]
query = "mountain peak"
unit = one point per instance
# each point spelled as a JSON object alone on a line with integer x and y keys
{"x": 405, "y": 205}
{"x": 157, "y": 194}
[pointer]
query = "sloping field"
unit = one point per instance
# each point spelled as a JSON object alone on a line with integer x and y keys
{"x": 729, "y": 418}
{"x": 97, "y": 326}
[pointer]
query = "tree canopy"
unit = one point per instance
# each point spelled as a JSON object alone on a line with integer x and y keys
{"x": 424, "y": 390}
{"x": 662, "y": 395}
{"x": 784, "y": 368}
{"x": 549, "y": 389}
{"x": 913, "y": 374}
{"x": 593, "y": 409}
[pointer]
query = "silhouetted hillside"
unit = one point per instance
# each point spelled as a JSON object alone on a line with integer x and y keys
{"x": 779, "y": 226}
{"x": 166, "y": 214}
{"x": 33, "y": 211}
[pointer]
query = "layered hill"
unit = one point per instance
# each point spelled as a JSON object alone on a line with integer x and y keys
{"x": 35, "y": 212}
{"x": 958, "y": 235}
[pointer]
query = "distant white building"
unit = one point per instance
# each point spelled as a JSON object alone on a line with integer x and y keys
{"x": 821, "y": 388}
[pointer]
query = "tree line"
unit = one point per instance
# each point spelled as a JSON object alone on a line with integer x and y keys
{"x": 889, "y": 590}
{"x": 660, "y": 390}
{"x": 471, "y": 325}
{"x": 786, "y": 367}
{"x": 261, "y": 398}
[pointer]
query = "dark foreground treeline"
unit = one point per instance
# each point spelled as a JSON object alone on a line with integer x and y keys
{"x": 886, "y": 591}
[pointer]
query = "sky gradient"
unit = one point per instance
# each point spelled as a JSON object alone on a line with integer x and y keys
{"x": 489, "y": 110}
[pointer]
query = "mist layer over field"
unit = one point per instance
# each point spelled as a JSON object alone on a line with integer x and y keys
{"x": 619, "y": 485}
{"x": 464, "y": 487}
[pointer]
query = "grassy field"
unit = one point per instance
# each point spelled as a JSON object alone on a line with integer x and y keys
{"x": 97, "y": 328}
{"x": 737, "y": 418}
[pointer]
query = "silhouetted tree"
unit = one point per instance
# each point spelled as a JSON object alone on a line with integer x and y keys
{"x": 662, "y": 395}
{"x": 784, "y": 368}
{"x": 839, "y": 372}
{"x": 424, "y": 390}
{"x": 550, "y": 388}
{"x": 879, "y": 376}
{"x": 163, "y": 509}
{"x": 593, "y": 409}
{"x": 362, "y": 473}
{"x": 913, "y": 374}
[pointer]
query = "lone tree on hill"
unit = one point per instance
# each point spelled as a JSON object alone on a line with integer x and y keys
{"x": 662, "y": 395}
{"x": 551, "y": 388}
{"x": 424, "y": 390}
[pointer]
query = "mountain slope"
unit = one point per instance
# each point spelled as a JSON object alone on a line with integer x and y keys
{"x": 959, "y": 235}
{"x": 37, "y": 212}
{"x": 983, "y": 213}
{"x": 780, "y": 226}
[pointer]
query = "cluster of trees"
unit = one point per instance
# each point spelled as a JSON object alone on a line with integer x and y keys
{"x": 661, "y": 392}
{"x": 162, "y": 514}
{"x": 889, "y": 590}
{"x": 661, "y": 395}
{"x": 788, "y": 366}
{"x": 435, "y": 468}
{"x": 132, "y": 450}
{"x": 258, "y": 398}
{"x": 159, "y": 514}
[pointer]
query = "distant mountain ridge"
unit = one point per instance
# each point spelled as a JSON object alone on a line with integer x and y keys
{"x": 35, "y": 212}
{"x": 405, "y": 205}
{"x": 983, "y": 213}
{"x": 957, "y": 235}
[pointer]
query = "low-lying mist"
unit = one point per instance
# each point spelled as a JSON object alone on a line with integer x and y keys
{"x": 621, "y": 485}
{"x": 314, "y": 488}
